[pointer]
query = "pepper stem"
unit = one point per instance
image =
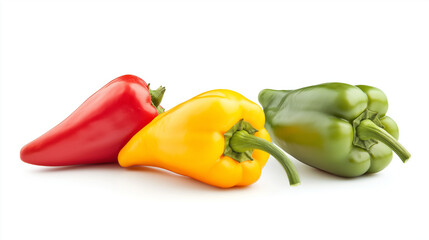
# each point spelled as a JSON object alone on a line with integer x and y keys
{"x": 242, "y": 141}
{"x": 369, "y": 130}
{"x": 156, "y": 98}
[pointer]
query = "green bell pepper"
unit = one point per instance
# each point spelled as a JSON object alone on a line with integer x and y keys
{"x": 336, "y": 127}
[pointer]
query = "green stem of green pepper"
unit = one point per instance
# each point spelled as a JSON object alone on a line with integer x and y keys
{"x": 368, "y": 130}
{"x": 242, "y": 141}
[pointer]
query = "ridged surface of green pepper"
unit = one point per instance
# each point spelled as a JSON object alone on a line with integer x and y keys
{"x": 339, "y": 128}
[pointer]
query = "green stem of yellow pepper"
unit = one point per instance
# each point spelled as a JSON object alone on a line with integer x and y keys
{"x": 369, "y": 130}
{"x": 242, "y": 141}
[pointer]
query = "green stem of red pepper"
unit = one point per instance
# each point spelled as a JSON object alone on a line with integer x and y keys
{"x": 156, "y": 98}
{"x": 369, "y": 130}
{"x": 242, "y": 141}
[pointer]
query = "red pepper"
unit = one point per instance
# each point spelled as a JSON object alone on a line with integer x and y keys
{"x": 97, "y": 130}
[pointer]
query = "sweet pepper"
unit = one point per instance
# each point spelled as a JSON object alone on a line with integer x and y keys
{"x": 336, "y": 127}
{"x": 100, "y": 127}
{"x": 217, "y": 137}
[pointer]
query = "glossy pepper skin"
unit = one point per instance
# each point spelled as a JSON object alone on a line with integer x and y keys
{"x": 336, "y": 127}
{"x": 195, "y": 139}
{"x": 97, "y": 130}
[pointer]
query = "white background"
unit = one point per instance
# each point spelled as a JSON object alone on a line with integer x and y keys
{"x": 55, "y": 54}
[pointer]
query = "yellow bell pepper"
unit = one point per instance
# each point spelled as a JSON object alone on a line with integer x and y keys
{"x": 210, "y": 138}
